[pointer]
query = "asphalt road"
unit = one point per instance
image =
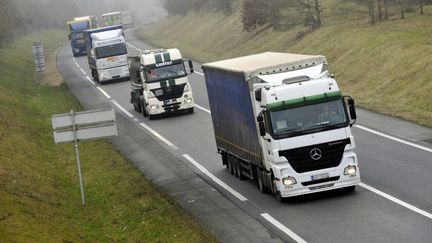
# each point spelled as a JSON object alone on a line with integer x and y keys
{"x": 393, "y": 203}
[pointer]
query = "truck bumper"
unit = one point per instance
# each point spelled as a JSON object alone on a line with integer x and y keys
{"x": 329, "y": 179}
{"x": 156, "y": 107}
{"x": 113, "y": 73}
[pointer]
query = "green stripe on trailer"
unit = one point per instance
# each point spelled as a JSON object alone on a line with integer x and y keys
{"x": 280, "y": 105}
{"x": 163, "y": 83}
{"x": 158, "y": 58}
{"x": 166, "y": 56}
{"x": 171, "y": 82}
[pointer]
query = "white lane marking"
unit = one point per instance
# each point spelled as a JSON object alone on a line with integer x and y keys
{"x": 157, "y": 134}
{"x": 215, "y": 179}
{"x": 91, "y": 81}
{"x": 103, "y": 92}
{"x": 122, "y": 109}
{"x": 202, "y": 74}
{"x": 202, "y": 108}
{"x": 395, "y": 200}
{"x": 283, "y": 228}
{"x": 82, "y": 70}
{"x": 76, "y": 64}
{"x": 394, "y": 138}
{"x": 73, "y": 58}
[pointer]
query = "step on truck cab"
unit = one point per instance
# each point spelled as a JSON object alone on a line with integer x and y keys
{"x": 159, "y": 82}
{"x": 280, "y": 119}
{"x": 107, "y": 53}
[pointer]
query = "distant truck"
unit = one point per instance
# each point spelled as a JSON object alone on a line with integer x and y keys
{"x": 110, "y": 19}
{"x": 107, "y": 53}
{"x": 123, "y": 18}
{"x": 76, "y": 29}
{"x": 159, "y": 83}
{"x": 280, "y": 119}
{"x": 127, "y": 19}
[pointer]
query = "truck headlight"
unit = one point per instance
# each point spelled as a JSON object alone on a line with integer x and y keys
{"x": 154, "y": 107}
{"x": 289, "y": 181}
{"x": 188, "y": 100}
{"x": 350, "y": 170}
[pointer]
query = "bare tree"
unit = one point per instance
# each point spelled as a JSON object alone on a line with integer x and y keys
{"x": 10, "y": 21}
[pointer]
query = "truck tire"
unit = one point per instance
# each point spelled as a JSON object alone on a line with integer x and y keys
{"x": 190, "y": 110}
{"x": 143, "y": 107}
{"x": 261, "y": 187}
{"x": 95, "y": 76}
{"x": 230, "y": 164}
{"x": 239, "y": 170}
{"x": 136, "y": 104}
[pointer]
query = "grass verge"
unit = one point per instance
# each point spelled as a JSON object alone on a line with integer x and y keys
{"x": 39, "y": 190}
{"x": 386, "y": 67}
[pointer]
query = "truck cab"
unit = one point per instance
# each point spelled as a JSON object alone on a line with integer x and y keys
{"x": 159, "y": 83}
{"x": 107, "y": 53}
{"x": 76, "y": 36}
{"x": 304, "y": 125}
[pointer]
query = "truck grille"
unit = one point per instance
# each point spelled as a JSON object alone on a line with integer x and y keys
{"x": 301, "y": 159}
{"x": 169, "y": 92}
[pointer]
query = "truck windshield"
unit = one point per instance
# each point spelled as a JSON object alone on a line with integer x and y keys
{"x": 111, "y": 50}
{"x": 309, "y": 119}
{"x": 78, "y": 35}
{"x": 163, "y": 73}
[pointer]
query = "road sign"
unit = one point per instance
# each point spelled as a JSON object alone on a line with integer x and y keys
{"x": 38, "y": 56}
{"x": 86, "y": 125}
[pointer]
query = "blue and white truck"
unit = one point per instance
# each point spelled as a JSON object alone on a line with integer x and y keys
{"x": 280, "y": 119}
{"x": 107, "y": 53}
{"x": 76, "y": 29}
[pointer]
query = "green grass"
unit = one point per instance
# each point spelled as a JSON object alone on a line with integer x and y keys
{"x": 386, "y": 67}
{"x": 39, "y": 190}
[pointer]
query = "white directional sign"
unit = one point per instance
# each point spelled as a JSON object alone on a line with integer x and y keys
{"x": 38, "y": 56}
{"x": 88, "y": 125}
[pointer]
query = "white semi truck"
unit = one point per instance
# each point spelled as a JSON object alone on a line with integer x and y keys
{"x": 124, "y": 18}
{"x": 107, "y": 53}
{"x": 280, "y": 119}
{"x": 159, "y": 83}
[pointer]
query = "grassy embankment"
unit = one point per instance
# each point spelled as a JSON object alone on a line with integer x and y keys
{"x": 386, "y": 67}
{"x": 39, "y": 190}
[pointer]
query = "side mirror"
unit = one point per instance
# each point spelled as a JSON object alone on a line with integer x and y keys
{"x": 351, "y": 108}
{"x": 258, "y": 95}
{"x": 92, "y": 53}
{"x": 261, "y": 125}
{"x": 191, "y": 68}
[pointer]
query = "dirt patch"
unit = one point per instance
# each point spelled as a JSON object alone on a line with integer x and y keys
{"x": 3, "y": 171}
{"x": 51, "y": 76}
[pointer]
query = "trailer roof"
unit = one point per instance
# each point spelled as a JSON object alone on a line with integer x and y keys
{"x": 266, "y": 63}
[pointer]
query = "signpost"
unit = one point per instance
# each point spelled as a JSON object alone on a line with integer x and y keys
{"x": 38, "y": 56}
{"x": 86, "y": 125}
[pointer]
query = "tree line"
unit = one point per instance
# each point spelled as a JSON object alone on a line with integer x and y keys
{"x": 275, "y": 13}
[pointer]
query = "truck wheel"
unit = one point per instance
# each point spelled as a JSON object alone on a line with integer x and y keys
{"x": 240, "y": 170}
{"x": 261, "y": 187}
{"x": 230, "y": 164}
{"x": 279, "y": 197}
{"x": 137, "y": 105}
{"x": 190, "y": 110}
{"x": 143, "y": 107}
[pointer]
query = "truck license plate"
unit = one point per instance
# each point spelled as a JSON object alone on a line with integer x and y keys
{"x": 170, "y": 102}
{"x": 320, "y": 176}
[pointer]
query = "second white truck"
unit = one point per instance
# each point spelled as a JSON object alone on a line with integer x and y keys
{"x": 280, "y": 119}
{"x": 159, "y": 83}
{"x": 107, "y": 53}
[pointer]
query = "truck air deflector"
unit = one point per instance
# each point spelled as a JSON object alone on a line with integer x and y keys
{"x": 280, "y": 105}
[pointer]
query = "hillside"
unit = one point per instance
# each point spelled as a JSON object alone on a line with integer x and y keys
{"x": 39, "y": 190}
{"x": 386, "y": 67}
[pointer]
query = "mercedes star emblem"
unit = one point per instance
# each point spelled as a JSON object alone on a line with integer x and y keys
{"x": 316, "y": 154}
{"x": 168, "y": 89}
